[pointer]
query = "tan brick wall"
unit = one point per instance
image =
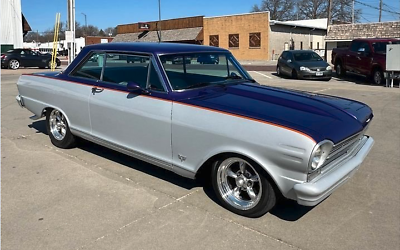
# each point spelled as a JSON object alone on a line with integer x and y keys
{"x": 242, "y": 25}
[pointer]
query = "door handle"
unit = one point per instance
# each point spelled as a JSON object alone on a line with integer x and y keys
{"x": 96, "y": 90}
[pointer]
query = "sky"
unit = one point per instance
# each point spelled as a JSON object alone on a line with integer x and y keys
{"x": 110, "y": 13}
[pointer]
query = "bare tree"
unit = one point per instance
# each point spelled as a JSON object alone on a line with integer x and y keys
{"x": 278, "y": 9}
{"x": 111, "y": 31}
{"x": 341, "y": 10}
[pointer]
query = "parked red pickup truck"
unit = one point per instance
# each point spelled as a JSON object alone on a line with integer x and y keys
{"x": 364, "y": 56}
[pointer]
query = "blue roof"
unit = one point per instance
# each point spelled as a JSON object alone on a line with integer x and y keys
{"x": 157, "y": 48}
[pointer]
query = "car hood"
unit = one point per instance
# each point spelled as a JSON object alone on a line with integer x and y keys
{"x": 319, "y": 116}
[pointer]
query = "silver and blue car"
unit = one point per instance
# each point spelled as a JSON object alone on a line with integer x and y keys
{"x": 252, "y": 142}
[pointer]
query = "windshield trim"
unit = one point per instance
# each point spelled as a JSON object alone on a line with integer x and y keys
{"x": 247, "y": 77}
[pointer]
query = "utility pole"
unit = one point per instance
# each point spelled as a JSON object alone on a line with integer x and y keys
{"x": 159, "y": 19}
{"x": 85, "y": 24}
{"x": 328, "y": 22}
{"x": 352, "y": 14}
{"x": 380, "y": 10}
{"x": 71, "y": 30}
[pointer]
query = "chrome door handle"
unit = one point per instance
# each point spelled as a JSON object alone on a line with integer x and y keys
{"x": 96, "y": 90}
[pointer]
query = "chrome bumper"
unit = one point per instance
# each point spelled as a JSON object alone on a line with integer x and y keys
{"x": 20, "y": 101}
{"x": 312, "y": 193}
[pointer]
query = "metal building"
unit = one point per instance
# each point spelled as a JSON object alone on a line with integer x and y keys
{"x": 11, "y": 21}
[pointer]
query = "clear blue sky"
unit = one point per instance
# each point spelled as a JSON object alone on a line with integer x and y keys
{"x": 107, "y": 13}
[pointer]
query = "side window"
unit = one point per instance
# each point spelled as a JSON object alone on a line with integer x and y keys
{"x": 91, "y": 68}
{"x": 364, "y": 47}
{"x": 284, "y": 55}
{"x": 355, "y": 46}
{"x": 120, "y": 69}
{"x": 154, "y": 80}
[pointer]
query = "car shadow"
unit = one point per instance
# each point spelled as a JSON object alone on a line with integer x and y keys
{"x": 285, "y": 209}
{"x": 359, "y": 79}
{"x": 126, "y": 160}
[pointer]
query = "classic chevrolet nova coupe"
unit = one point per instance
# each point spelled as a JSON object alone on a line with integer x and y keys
{"x": 204, "y": 119}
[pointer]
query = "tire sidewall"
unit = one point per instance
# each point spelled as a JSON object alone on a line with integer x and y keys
{"x": 67, "y": 142}
{"x": 268, "y": 197}
{"x": 377, "y": 71}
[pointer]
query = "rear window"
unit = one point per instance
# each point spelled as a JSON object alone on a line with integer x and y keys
{"x": 381, "y": 46}
{"x": 10, "y": 51}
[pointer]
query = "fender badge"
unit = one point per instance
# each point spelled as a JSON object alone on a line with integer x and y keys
{"x": 181, "y": 158}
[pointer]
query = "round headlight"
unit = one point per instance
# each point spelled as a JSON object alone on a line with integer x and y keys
{"x": 319, "y": 154}
{"x": 329, "y": 67}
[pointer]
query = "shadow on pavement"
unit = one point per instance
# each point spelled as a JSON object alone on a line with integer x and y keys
{"x": 126, "y": 160}
{"x": 285, "y": 209}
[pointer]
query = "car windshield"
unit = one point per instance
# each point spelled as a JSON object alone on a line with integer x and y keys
{"x": 306, "y": 56}
{"x": 196, "y": 70}
{"x": 381, "y": 46}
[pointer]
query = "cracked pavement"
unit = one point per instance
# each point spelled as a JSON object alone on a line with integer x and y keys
{"x": 91, "y": 197}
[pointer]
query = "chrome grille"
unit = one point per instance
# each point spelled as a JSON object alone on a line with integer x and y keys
{"x": 343, "y": 147}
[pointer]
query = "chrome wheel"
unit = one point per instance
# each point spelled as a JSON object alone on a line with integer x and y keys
{"x": 13, "y": 64}
{"x": 58, "y": 125}
{"x": 239, "y": 183}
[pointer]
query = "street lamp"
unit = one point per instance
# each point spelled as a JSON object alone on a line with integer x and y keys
{"x": 85, "y": 19}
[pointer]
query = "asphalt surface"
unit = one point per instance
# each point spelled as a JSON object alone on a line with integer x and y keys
{"x": 91, "y": 197}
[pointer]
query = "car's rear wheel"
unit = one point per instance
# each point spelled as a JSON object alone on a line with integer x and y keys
{"x": 13, "y": 64}
{"x": 58, "y": 129}
{"x": 339, "y": 70}
{"x": 377, "y": 77}
{"x": 241, "y": 186}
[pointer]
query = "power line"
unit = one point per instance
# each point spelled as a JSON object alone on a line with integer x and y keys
{"x": 373, "y": 7}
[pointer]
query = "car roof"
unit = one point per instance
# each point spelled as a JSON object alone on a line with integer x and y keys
{"x": 300, "y": 51}
{"x": 157, "y": 48}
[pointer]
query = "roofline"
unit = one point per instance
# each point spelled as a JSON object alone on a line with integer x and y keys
{"x": 274, "y": 22}
{"x": 161, "y": 20}
{"x": 242, "y": 14}
{"x": 363, "y": 23}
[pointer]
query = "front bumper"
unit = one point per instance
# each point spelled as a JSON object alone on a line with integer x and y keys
{"x": 312, "y": 193}
{"x": 20, "y": 100}
{"x": 326, "y": 74}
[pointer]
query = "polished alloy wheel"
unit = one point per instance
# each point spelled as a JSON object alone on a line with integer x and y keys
{"x": 58, "y": 125}
{"x": 239, "y": 183}
{"x": 14, "y": 64}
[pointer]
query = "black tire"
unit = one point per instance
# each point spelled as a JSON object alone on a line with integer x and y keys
{"x": 278, "y": 70}
{"x": 13, "y": 64}
{"x": 266, "y": 199}
{"x": 340, "y": 71}
{"x": 48, "y": 64}
{"x": 294, "y": 74}
{"x": 68, "y": 141}
{"x": 377, "y": 77}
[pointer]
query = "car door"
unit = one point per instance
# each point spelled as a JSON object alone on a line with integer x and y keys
{"x": 351, "y": 57}
{"x": 138, "y": 124}
{"x": 363, "y": 58}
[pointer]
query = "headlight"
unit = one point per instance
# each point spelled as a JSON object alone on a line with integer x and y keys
{"x": 329, "y": 68}
{"x": 319, "y": 154}
{"x": 302, "y": 68}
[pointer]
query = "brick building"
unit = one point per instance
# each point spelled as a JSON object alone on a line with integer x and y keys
{"x": 250, "y": 36}
{"x": 341, "y": 35}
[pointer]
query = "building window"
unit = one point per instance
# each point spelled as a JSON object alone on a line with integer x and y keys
{"x": 255, "y": 40}
{"x": 234, "y": 41}
{"x": 317, "y": 45}
{"x": 311, "y": 45}
{"x": 301, "y": 45}
{"x": 214, "y": 40}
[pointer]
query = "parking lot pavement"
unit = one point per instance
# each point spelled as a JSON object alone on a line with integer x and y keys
{"x": 91, "y": 197}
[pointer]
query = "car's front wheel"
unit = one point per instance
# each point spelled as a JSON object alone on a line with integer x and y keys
{"x": 241, "y": 186}
{"x": 13, "y": 64}
{"x": 58, "y": 129}
{"x": 278, "y": 70}
{"x": 294, "y": 74}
